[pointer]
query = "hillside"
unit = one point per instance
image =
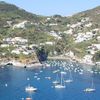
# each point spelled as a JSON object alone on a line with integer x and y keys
{"x": 77, "y": 36}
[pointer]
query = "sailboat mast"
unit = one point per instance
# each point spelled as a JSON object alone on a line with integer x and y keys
{"x": 70, "y": 75}
{"x": 92, "y": 86}
{"x": 61, "y": 78}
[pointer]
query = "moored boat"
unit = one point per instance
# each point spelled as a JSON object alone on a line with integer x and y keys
{"x": 30, "y": 89}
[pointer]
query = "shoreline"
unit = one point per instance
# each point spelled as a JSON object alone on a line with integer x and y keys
{"x": 70, "y": 59}
{"x": 18, "y": 64}
{"x": 37, "y": 64}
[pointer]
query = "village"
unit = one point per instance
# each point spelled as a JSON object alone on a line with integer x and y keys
{"x": 21, "y": 46}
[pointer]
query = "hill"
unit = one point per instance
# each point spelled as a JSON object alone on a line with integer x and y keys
{"x": 77, "y": 36}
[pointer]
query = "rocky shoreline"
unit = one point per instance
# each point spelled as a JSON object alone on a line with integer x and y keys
{"x": 20, "y": 64}
{"x": 37, "y": 64}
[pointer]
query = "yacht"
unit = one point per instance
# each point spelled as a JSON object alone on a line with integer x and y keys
{"x": 90, "y": 89}
{"x": 30, "y": 89}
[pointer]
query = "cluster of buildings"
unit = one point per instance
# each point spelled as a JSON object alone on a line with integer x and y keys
{"x": 21, "y": 46}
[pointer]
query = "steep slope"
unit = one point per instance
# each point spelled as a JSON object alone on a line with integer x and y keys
{"x": 77, "y": 34}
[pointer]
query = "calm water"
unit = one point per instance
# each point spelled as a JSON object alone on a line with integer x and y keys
{"x": 16, "y": 79}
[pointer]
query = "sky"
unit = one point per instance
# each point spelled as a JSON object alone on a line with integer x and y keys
{"x": 52, "y": 7}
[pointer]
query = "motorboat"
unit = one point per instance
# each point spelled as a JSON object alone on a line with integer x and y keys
{"x": 89, "y": 90}
{"x": 30, "y": 89}
{"x": 55, "y": 82}
{"x": 68, "y": 81}
{"x": 28, "y": 98}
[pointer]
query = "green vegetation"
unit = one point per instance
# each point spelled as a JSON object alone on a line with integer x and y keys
{"x": 37, "y": 29}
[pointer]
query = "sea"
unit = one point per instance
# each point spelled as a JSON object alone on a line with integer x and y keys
{"x": 14, "y": 80}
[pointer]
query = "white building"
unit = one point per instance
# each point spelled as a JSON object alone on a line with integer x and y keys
{"x": 54, "y": 34}
{"x": 49, "y": 43}
{"x": 4, "y": 45}
{"x": 97, "y": 46}
{"x": 70, "y": 31}
{"x": 15, "y": 40}
{"x": 70, "y": 54}
{"x": 20, "y": 25}
{"x": 88, "y": 25}
{"x": 84, "y": 36}
{"x": 87, "y": 59}
{"x": 16, "y": 51}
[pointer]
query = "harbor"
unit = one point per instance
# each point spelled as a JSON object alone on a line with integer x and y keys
{"x": 60, "y": 80}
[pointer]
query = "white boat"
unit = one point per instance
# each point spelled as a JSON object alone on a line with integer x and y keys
{"x": 38, "y": 78}
{"x": 90, "y": 89}
{"x": 35, "y": 77}
{"x": 6, "y": 85}
{"x": 55, "y": 71}
{"x": 41, "y": 71}
{"x": 62, "y": 72}
{"x": 28, "y": 98}
{"x": 70, "y": 79}
{"x": 30, "y": 89}
{"x": 28, "y": 79}
{"x": 55, "y": 82}
{"x": 61, "y": 85}
{"x": 48, "y": 78}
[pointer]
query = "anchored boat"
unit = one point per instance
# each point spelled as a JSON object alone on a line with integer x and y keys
{"x": 30, "y": 89}
{"x": 90, "y": 89}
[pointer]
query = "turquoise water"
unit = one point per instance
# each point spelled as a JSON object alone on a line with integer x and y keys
{"x": 14, "y": 80}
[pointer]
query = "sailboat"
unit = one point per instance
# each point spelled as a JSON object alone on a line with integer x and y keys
{"x": 56, "y": 81}
{"x": 90, "y": 89}
{"x": 70, "y": 79}
{"x": 61, "y": 85}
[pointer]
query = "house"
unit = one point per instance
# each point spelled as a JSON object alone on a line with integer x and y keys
{"x": 70, "y": 31}
{"x": 88, "y": 25}
{"x": 16, "y": 51}
{"x": 15, "y": 40}
{"x": 49, "y": 43}
{"x": 84, "y": 37}
{"x": 54, "y": 34}
{"x": 70, "y": 54}
{"x": 87, "y": 59}
{"x": 20, "y": 25}
{"x": 97, "y": 46}
{"x": 53, "y": 24}
{"x": 4, "y": 45}
{"x": 91, "y": 51}
{"x": 19, "y": 40}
